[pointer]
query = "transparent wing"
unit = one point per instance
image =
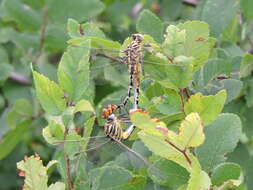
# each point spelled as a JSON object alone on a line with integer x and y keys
{"x": 139, "y": 161}
{"x": 100, "y": 150}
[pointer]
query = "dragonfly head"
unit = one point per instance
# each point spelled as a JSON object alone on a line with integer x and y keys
{"x": 138, "y": 37}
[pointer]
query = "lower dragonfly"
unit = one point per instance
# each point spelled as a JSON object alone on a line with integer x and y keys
{"x": 114, "y": 134}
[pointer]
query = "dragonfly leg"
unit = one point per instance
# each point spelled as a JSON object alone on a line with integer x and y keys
{"x": 128, "y": 132}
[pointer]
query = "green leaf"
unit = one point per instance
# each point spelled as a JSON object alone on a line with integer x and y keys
{"x": 222, "y": 137}
{"x": 233, "y": 88}
{"x": 55, "y": 38}
{"x": 73, "y": 71}
{"x": 54, "y": 132}
{"x": 149, "y": 125}
{"x": 199, "y": 179}
{"x": 211, "y": 69}
{"x": 12, "y": 138}
{"x": 5, "y": 67}
{"x": 168, "y": 103}
{"x": 249, "y": 93}
{"x": 36, "y": 174}
{"x": 19, "y": 106}
{"x": 213, "y": 13}
{"x": 149, "y": 23}
{"x": 106, "y": 45}
{"x": 50, "y": 95}
{"x": 88, "y": 129}
{"x": 208, "y": 107}
{"x": 190, "y": 132}
{"x": 162, "y": 148}
{"x": 225, "y": 172}
{"x": 175, "y": 174}
{"x": 246, "y": 6}
{"x": 104, "y": 178}
{"x": 6, "y": 34}
{"x": 57, "y": 186}
{"x": 197, "y": 42}
{"x": 2, "y": 102}
{"x": 3, "y": 55}
{"x": 179, "y": 74}
{"x": 51, "y": 163}
{"x": 60, "y": 10}
{"x": 246, "y": 66}
{"x": 173, "y": 44}
{"x": 26, "y": 17}
{"x": 17, "y": 113}
{"x": 76, "y": 30}
{"x": 13, "y": 91}
{"x": 6, "y": 70}
{"x": 232, "y": 30}
{"x": 73, "y": 146}
{"x": 25, "y": 40}
{"x": 84, "y": 105}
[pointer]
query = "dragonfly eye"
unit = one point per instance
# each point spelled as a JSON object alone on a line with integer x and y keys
{"x": 138, "y": 37}
{"x": 112, "y": 116}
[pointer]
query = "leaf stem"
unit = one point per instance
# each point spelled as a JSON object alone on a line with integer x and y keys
{"x": 182, "y": 151}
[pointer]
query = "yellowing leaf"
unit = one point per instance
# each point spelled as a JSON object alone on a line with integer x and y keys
{"x": 35, "y": 173}
{"x": 49, "y": 94}
{"x": 190, "y": 132}
{"x": 199, "y": 180}
{"x": 208, "y": 107}
{"x": 162, "y": 148}
{"x": 83, "y": 105}
{"x": 147, "y": 124}
{"x": 57, "y": 186}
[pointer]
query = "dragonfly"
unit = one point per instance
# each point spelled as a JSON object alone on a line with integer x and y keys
{"x": 138, "y": 56}
{"x": 114, "y": 134}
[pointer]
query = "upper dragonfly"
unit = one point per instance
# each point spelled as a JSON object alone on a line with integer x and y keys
{"x": 162, "y": 64}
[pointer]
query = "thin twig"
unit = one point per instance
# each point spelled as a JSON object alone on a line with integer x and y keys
{"x": 191, "y": 2}
{"x": 134, "y": 13}
{"x": 69, "y": 181}
{"x": 42, "y": 36}
{"x": 182, "y": 99}
{"x": 67, "y": 162}
{"x": 182, "y": 151}
{"x": 187, "y": 93}
{"x": 109, "y": 57}
{"x": 241, "y": 22}
{"x": 21, "y": 79}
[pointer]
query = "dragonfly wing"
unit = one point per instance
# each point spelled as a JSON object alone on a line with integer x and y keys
{"x": 139, "y": 161}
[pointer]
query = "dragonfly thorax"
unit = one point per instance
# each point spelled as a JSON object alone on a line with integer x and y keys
{"x": 113, "y": 129}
